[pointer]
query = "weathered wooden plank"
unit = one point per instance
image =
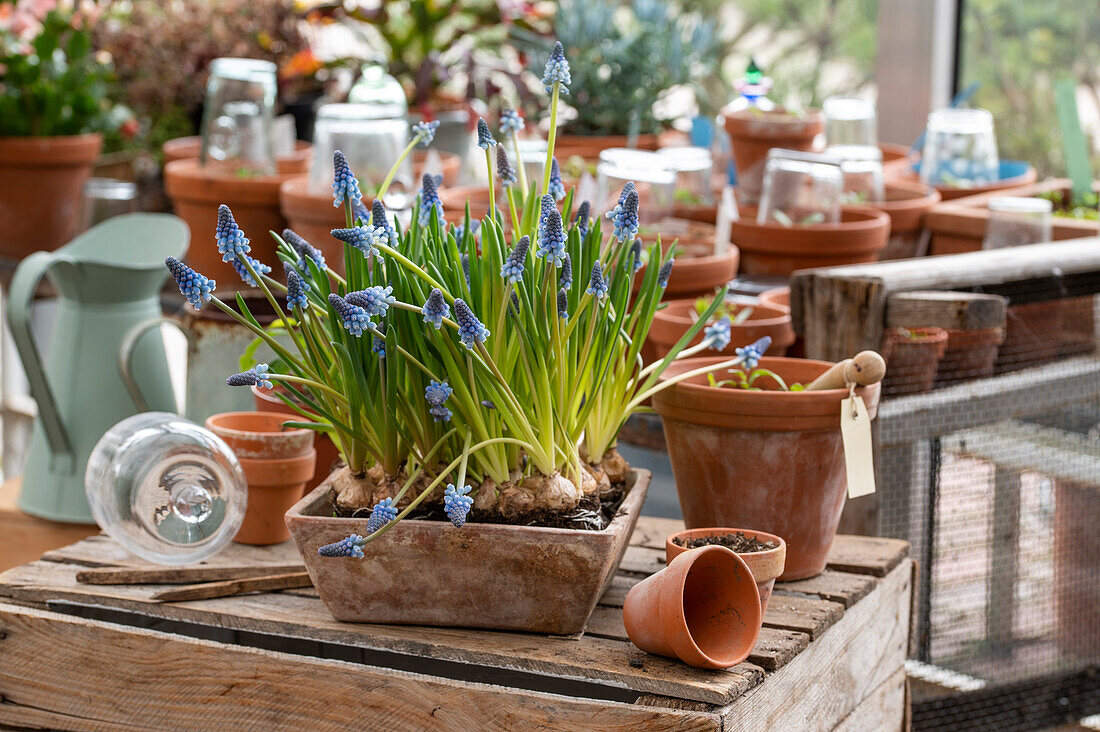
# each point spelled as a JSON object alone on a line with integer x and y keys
{"x": 210, "y": 590}
{"x": 173, "y": 682}
{"x": 285, "y": 615}
{"x": 843, "y": 587}
{"x": 950, "y": 310}
{"x": 102, "y": 551}
{"x": 871, "y": 555}
{"x": 176, "y": 575}
{"x": 884, "y": 710}
{"x": 615, "y": 595}
{"x": 774, "y": 647}
{"x": 642, "y": 560}
{"x": 824, "y": 684}
{"x": 651, "y": 531}
{"x": 809, "y": 615}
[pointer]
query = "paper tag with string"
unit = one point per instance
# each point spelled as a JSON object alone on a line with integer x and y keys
{"x": 855, "y": 429}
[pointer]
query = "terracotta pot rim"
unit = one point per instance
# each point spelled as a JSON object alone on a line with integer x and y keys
{"x": 279, "y": 472}
{"x": 779, "y": 116}
{"x": 763, "y": 560}
{"x": 188, "y": 181}
{"x": 931, "y": 333}
{"x": 776, "y": 292}
{"x": 923, "y": 197}
{"x": 775, "y": 315}
{"x": 853, "y": 219}
{"x": 57, "y": 151}
{"x": 213, "y": 426}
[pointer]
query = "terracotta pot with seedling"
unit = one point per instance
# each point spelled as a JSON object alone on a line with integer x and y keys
{"x": 763, "y": 553}
{"x": 731, "y": 326}
{"x": 474, "y": 384}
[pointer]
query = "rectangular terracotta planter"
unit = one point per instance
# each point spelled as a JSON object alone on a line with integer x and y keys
{"x": 959, "y": 225}
{"x": 498, "y": 576}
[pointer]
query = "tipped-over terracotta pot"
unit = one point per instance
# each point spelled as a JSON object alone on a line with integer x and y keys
{"x": 912, "y": 359}
{"x": 754, "y": 132}
{"x": 311, "y": 215}
{"x": 277, "y": 462}
{"x": 774, "y": 249}
{"x": 766, "y": 566}
{"x": 41, "y": 190}
{"x": 703, "y": 608}
{"x": 670, "y": 323}
{"x": 196, "y": 193}
{"x": 327, "y": 454}
{"x": 907, "y": 204}
{"x": 767, "y": 459}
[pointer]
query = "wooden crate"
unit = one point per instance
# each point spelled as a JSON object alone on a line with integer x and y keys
{"x": 81, "y": 656}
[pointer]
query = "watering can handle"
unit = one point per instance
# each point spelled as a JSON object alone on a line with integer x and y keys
{"x": 23, "y": 286}
{"x": 126, "y": 356}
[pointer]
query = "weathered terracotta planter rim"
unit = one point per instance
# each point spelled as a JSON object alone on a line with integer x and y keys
{"x": 852, "y": 218}
{"x": 766, "y": 558}
{"x": 186, "y": 180}
{"x": 65, "y": 151}
{"x": 774, "y": 315}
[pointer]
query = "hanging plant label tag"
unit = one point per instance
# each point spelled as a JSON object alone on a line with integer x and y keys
{"x": 855, "y": 429}
{"x": 727, "y": 214}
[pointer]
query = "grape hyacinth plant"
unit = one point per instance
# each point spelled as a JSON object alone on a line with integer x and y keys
{"x": 440, "y": 359}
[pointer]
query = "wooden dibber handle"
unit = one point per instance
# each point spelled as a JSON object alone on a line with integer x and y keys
{"x": 867, "y": 367}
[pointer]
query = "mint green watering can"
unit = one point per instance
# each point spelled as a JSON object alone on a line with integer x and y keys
{"x": 108, "y": 279}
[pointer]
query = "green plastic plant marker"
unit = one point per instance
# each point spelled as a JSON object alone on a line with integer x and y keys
{"x": 1073, "y": 138}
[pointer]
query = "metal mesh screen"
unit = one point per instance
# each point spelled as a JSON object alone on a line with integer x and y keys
{"x": 995, "y": 481}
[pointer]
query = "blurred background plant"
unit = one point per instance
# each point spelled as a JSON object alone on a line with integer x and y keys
{"x": 624, "y": 56}
{"x": 52, "y": 82}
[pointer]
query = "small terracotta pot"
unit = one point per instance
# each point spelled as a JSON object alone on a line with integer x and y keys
{"x": 196, "y": 194}
{"x": 767, "y": 459}
{"x": 450, "y": 163}
{"x": 454, "y": 203}
{"x": 1018, "y": 174}
{"x": 41, "y": 190}
{"x": 912, "y": 359}
{"x": 777, "y": 297}
{"x": 187, "y": 148}
{"x": 698, "y": 270}
{"x": 703, "y": 608}
{"x": 907, "y": 204}
{"x": 774, "y": 249}
{"x": 311, "y": 215}
{"x": 970, "y": 355}
{"x": 277, "y": 462}
{"x": 753, "y": 133}
{"x": 589, "y": 147}
{"x": 671, "y": 322}
{"x": 328, "y": 455}
{"x": 274, "y": 486}
{"x": 1033, "y": 335}
{"x": 765, "y": 566}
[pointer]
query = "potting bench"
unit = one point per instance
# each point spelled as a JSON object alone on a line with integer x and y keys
{"x": 91, "y": 656}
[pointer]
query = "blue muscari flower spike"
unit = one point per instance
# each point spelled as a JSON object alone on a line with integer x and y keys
{"x": 636, "y": 254}
{"x": 344, "y": 184}
{"x": 597, "y": 285}
{"x": 751, "y": 354}
{"x": 231, "y": 240}
{"x": 716, "y": 336}
{"x": 429, "y": 199}
{"x": 260, "y": 267}
{"x": 435, "y": 309}
{"x": 565, "y": 281}
{"x": 296, "y": 289}
{"x": 375, "y": 300}
{"x": 512, "y": 269}
{"x": 504, "y": 169}
{"x": 563, "y": 305}
{"x": 354, "y": 318}
{"x": 664, "y": 273}
{"x": 360, "y": 213}
{"x": 364, "y": 238}
{"x": 424, "y": 132}
{"x": 378, "y": 346}
{"x": 255, "y": 376}
{"x": 305, "y": 251}
{"x": 557, "y": 69}
{"x": 488, "y": 404}
{"x": 456, "y": 504}
{"x": 194, "y": 286}
{"x": 465, "y": 260}
{"x": 557, "y": 188}
{"x": 511, "y": 122}
{"x": 378, "y": 220}
{"x": 382, "y": 513}
{"x": 551, "y": 234}
{"x": 470, "y": 329}
{"x": 475, "y": 230}
{"x": 625, "y": 214}
{"x": 436, "y": 394}
{"x": 583, "y": 218}
{"x": 346, "y": 547}
{"x": 484, "y": 137}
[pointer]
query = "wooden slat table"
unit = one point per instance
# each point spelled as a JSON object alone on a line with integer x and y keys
{"x": 82, "y": 656}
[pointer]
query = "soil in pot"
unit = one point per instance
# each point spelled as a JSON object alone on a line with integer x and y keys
{"x": 754, "y": 132}
{"x": 764, "y": 554}
{"x": 907, "y": 204}
{"x": 768, "y": 459}
{"x": 703, "y": 609}
{"x": 970, "y": 354}
{"x": 671, "y": 322}
{"x": 41, "y": 185}
{"x": 912, "y": 359}
{"x": 196, "y": 194}
{"x": 774, "y": 249}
